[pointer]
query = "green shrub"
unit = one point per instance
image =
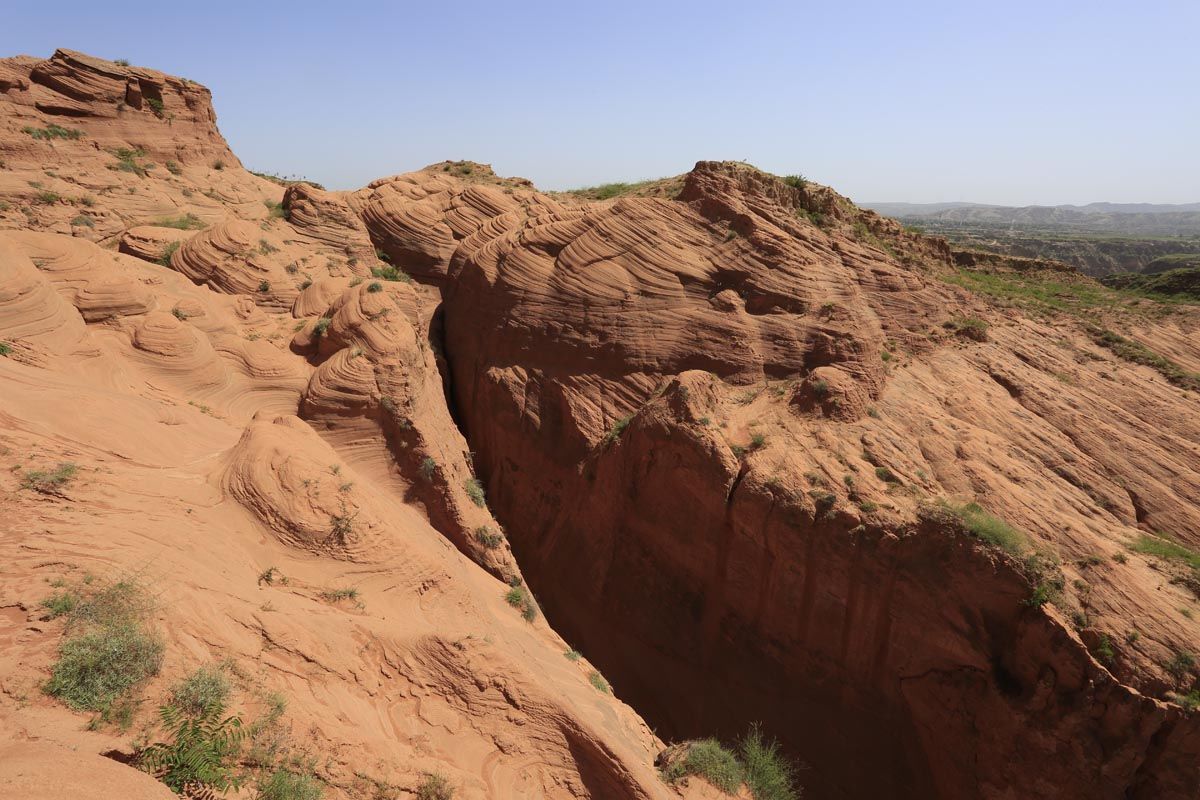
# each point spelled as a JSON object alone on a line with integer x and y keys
{"x": 1181, "y": 664}
{"x": 284, "y": 784}
{"x": 204, "y": 689}
{"x": 218, "y": 165}
{"x": 519, "y": 597}
{"x": 164, "y": 258}
{"x": 188, "y": 222}
{"x": 156, "y": 106}
{"x": 321, "y": 326}
{"x": 757, "y": 441}
{"x": 374, "y": 286}
{"x": 390, "y": 273}
{"x": 173, "y": 168}
{"x": 434, "y": 786}
{"x": 969, "y": 327}
{"x": 573, "y": 655}
{"x": 475, "y": 491}
{"x": 886, "y": 475}
{"x": 108, "y": 649}
{"x": 768, "y": 774}
{"x": 617, "y": 429}
{"x": 5, "y": 348}
{"x": 83, "y": 221}
{"x": 710, "y": 760}
{"x": 428, "y": 468}
{"x": 200, "y": 756}
{"x": 275, "y": 210}
{"x": 484, "y": 535}
{"x": 264, "y": 287}
{"x": 127, "y": 161}
{"x": 121, "y": 62}
{"x": 266, "y": 248}
{"x": 49, "y": 481}
{"x": 47, "y": 198}
{"x": 796, "y": 181}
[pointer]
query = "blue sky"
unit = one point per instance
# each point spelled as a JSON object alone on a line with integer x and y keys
{"x": 1014, "y": 102}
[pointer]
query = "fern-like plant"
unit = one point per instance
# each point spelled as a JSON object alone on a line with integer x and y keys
{"x": 197, "y": 761}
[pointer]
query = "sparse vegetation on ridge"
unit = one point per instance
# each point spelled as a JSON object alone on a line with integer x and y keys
{"x": 187, "y": 222}
{"x": 49, "y": 481}
{"x": 434, "y": 786}
{"x": 390, "y": 273}
{"x": 53, "y": 131}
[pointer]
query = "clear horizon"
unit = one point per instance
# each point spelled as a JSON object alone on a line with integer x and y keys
{"x": 1004, "y": 104}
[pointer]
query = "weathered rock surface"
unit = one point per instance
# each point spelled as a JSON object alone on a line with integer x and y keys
{"x": 716, "y": 426}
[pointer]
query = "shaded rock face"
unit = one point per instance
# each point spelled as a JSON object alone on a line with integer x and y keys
{"x": 597, "y": 351}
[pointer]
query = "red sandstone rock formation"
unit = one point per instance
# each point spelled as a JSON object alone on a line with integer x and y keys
{"x": 718, "y": 426}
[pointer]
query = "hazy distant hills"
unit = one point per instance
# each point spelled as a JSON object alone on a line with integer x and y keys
{"x": 935, "y": 209}
{"x": 1097, "y": 238}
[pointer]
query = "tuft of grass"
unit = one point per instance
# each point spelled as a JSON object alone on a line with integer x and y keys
{"x": 484, "y": 535}
{"x": 991, "y": 529}
{"x": 121, "y": 62}
{"x": 53, "y": 132}
{"x": 757, "y": 762}
{"x": 796, "y": 181}
{"x": 5, "y": 348}
{"x": 60, "y": 604}
{"x": 284, "y": 784}
{"x": 47, "y": 198}
{"x": 49, "y": 481}
{"x": 519, "y": 597}
{"x": 475, "y": 491}
{"x": 84, "y": 221}
{"x": 1164, "y": 548}
{"x": 1138, "y": 353}
{"x": 573, "y": 655}
{"x": 434, "y": 786}
{"x": 335, "y": 595}
{"x": 712, "y": 761}
{"x": 768, "y": 774}
{"x": 108, "y": 650}
{"x": 390, "y": 273}
{"x": 428, "y": 468}
{"x": 156, "y": 106}
{"x": 374, "y": 286}
{"x": 127, "y": 161}
{"x": 321, "y": 326}
{"x": 275, "y": 210}
{"x": 597, "y": 681}
{"x": 188, "y": 222}
{"x": 173, "y": 168}
{"x": 201, "y": 691}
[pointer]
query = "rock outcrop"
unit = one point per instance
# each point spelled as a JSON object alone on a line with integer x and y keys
{"x": 759, "y": 455}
